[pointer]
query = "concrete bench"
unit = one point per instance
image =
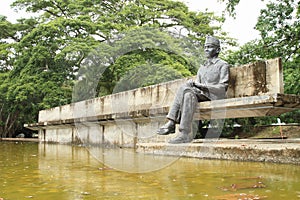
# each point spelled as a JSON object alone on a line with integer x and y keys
{"x": 255, "y": 90}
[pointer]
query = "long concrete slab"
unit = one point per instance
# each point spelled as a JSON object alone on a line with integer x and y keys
{"x": 258, "y": 150}
{"x": 253, "y": 106}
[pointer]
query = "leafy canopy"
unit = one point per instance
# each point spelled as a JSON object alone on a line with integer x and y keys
{"x": 279, "y": 27}
{"x": 42, "y": 56}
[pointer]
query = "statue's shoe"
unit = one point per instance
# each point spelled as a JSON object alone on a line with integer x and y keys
{"x": 181, "y": 138}
{"x": 166, "y": 129}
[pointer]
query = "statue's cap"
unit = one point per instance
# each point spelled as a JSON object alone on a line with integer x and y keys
{"x": 212, "y": 40}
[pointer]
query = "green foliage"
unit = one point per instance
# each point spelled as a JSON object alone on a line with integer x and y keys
{"x": 162, "y": 56}
{"x": 230, "y": 6}
{"x": 3, "y": 103}
{"x": 279, "y": 27}
{"x": 144, "y": 75}
{"x": 42, "y": 57}
{"x": 113, "y": 65}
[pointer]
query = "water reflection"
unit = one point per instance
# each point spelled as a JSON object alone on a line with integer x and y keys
{"x": 128, "y": 160}
{"x": 45, "y": 171}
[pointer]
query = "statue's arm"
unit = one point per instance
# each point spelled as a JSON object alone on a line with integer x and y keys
{"x": 221, "y": 86}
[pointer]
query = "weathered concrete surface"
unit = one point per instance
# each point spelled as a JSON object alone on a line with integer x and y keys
{"x": 256, "y": 78}
{"x": 276, "y": 150}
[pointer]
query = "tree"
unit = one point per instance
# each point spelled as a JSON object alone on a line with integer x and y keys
{"x": 279, "y": 26}
{"x": 141, "y": 57}
{"x": 73, "y": 29}
{"x": 45, "y": 54}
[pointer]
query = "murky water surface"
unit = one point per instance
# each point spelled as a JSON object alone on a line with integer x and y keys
{"x": 40, "y": 171}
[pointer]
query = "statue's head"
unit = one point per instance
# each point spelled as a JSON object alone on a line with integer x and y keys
{"x": 212, "y": 47}
{"x": 212, "y": 41}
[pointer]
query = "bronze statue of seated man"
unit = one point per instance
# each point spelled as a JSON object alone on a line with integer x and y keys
{"x": 211, "y": 83}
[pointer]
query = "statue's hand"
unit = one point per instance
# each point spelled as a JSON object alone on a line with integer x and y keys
{"x": 201, "y": 86}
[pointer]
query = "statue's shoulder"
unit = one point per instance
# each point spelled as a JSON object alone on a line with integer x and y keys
{"x": 222, "y": 62}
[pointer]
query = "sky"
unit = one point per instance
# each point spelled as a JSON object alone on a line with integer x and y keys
{"x": 241, "y": 28}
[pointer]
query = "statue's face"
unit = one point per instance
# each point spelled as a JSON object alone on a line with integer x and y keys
{"x": 211, "y": 50}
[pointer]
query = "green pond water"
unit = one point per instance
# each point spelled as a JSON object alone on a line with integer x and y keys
{"x": 62, "y": 172}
